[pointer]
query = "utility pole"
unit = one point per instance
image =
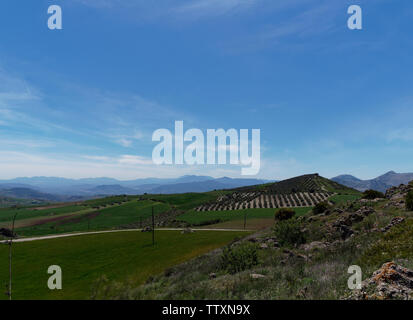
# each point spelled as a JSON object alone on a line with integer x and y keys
{"x": 245, "y": 220}
{"x": 10, "y": 256}
{"x": 153, "y": 228}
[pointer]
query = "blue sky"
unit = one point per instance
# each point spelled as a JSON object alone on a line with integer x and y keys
{"x": 84, "y": 101}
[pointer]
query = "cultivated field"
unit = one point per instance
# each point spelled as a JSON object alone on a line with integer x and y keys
{"x": 212, "y": 217}
{"x": 126, "y": 257}
{"x": 110, "y": 217}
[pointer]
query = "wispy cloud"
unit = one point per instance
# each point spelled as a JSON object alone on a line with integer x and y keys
{"x": 89, "y": 116}
{"x": 177, "y": 7}
{"x": 203, "y": 8}
{"x": 403, "y": 134}
{"x": 296, "y": 23}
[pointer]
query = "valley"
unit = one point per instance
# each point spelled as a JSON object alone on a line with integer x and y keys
{"x": 192, "y": 232}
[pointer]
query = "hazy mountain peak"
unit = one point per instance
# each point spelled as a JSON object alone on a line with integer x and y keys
{"x": 381, "y": 183}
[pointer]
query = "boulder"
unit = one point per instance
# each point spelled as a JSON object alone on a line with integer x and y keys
{"x": 257, "y": 276}
{"x": 147, "y": 229}
{"x": 187, "y": 231}
{"x": 366, "y": 211}
{"x": 314, "y": 245}
{"x": 345, "y": 232}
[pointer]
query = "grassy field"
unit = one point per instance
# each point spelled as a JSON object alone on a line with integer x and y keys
{"x": 7, "y": 214}
{"x": 340, "y": 198}
{"x": 102, "y": 219}
{"x": 186, "y": 201}
{"x": 123, "y": 257}
{"x": 201, "y": 218}
{"x": 109, "y": 200}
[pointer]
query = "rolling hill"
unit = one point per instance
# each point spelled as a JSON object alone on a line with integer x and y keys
{"x": 302, "y": 191}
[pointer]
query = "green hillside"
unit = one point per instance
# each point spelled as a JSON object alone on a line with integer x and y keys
{"x": 305, "y": 183}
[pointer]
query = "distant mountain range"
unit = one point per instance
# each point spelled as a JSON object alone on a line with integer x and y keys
{"x": 62, "y": 189}
{"x": 381, "y": 183}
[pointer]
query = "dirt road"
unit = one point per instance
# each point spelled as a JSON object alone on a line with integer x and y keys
{"x": 66, "y": 235}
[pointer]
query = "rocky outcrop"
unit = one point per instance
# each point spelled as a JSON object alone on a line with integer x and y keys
{"x": 393, "y": 222}
{"x": 397, "y": 195}
{"x": 391, "y": 281}
{"x": 343, "y": 225}
{"x": 265, "y": 243}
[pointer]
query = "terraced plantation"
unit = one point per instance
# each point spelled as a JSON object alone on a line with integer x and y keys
{"x": 257, "y": 200}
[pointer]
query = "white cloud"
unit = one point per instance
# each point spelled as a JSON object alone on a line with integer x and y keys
{"x": 135, "y": 160}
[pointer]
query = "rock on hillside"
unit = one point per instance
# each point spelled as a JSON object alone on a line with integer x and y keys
{"x": 391, "y": 281}
{"x": 397, "y": 195}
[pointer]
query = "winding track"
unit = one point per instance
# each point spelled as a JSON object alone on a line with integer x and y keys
{"x": 66, "y": 235}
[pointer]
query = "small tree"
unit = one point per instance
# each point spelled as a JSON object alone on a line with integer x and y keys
{"x": 409, "y": 201}
{"x": 238, "y": 258}
{"x": 320, "y": 207}
{"x": 284, "y": 214}
{"x": 288, "y": 233}
{"x": 372, "y": 194}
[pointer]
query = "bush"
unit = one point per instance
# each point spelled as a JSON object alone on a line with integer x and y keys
{"x": 284, "y": 214}
{"x": 372, "y": 194}
{"x": 321, "y": 207}
{"x": 238, "y": 258}
{"x": 288, "y": 233}
{"x": 409, "y": 201}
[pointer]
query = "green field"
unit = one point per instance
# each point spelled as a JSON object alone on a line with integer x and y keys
{"x": 201, "y": 218}
{"x": 340, "y": 198}
{"x": 7, "y": 214}
{"x": 109, "y": 200}
{"x": 103, "y": 219}
{"x": 122, "y": 256}
{"x": 186, "y": 201}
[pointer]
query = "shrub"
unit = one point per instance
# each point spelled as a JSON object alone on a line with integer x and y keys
{"x": 409, "y": 201}
{"x": 372, "y": 194}
{"x": 284, "y": 214}
{"x": 238, "y": 258}
{"x": 320, "y": 207}
{"x": 288, "y": 233}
